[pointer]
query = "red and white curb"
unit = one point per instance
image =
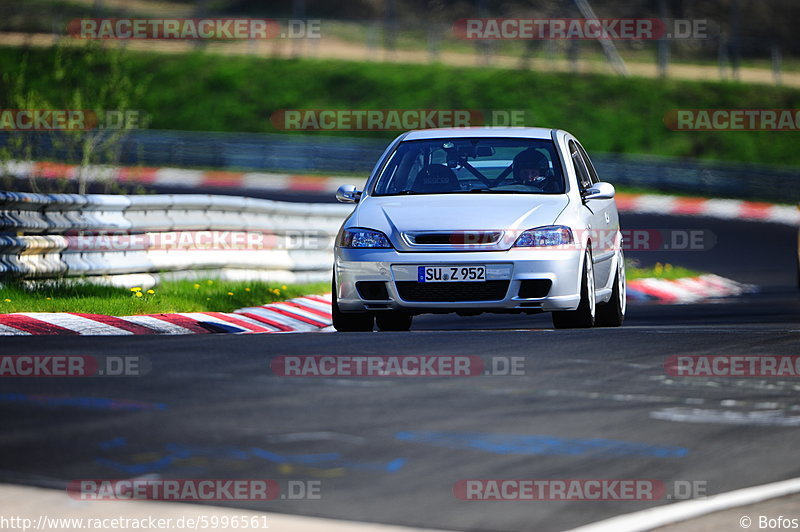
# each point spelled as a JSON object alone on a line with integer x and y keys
{"x": 302, "y": 314}
{"x": 725, "y": 209}
{"x": 178, "y": 177}
{"x": 686, "y": 290}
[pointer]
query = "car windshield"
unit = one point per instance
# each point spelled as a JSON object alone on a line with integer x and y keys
{"x": 467, "y": 165}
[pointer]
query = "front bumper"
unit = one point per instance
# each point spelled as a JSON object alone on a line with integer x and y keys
{"x": 561, "y": 267}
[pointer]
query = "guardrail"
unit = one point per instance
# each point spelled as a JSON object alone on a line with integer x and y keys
{"x": 213, "y": 149}
{"x": 105, "y": 236}
{"x": 357, "y": 155}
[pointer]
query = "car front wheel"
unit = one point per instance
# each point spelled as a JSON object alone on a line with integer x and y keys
{"x": 612, "y": 314}
{"x": 349, "y": 321}
{"x": 393, "y": 321}
{"x": 583, "y": 317}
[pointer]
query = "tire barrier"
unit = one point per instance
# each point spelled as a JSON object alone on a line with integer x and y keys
{"x": 69, "y": 235}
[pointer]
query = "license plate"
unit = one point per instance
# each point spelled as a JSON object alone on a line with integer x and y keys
{"x": 449, "y": 274}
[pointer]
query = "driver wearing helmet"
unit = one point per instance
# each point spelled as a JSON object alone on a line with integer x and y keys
{"x": 531, "y": 167}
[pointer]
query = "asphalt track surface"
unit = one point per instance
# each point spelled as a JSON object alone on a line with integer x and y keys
{"x": 590, "y": 404}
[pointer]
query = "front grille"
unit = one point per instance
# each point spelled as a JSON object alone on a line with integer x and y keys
{"x": 534, "y": 288}
{"x": 439, "y": 238}
{"x": 462, "y": 238}
{"x": 447, "y": 292}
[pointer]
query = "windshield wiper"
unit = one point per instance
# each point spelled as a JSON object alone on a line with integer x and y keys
{"x": 403, "y": 193}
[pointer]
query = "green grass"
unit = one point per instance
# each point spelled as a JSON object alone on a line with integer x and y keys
{"x": 658, "y": 271}
{"x": 197, "y": 296}
{"x": 208, "y": 92}
{"x": 169, "y": 296}
{"x": 409, "y": 38}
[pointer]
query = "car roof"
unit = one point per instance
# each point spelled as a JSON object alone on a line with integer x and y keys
{"x": 471, "y": 132}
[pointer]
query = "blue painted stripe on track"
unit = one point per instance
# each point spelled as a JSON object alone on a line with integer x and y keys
{"x": 540, "y": 444}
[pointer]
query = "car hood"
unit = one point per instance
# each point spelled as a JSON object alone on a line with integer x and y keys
{"x": 401, "y": 216}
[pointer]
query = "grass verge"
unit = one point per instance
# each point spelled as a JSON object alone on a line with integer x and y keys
{"x": 198, "y": 296}
{"x": 208, "y": 92}
{"x": 659, "y": 271}
{"x": 170, "y": 296}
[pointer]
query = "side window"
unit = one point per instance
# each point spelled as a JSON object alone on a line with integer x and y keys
{"x": 584, "y": 179}
{"x": 589, "y": 165}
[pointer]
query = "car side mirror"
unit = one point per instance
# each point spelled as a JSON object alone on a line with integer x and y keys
{"x": 599, "y": 190}
{"x": 348, "y": 194}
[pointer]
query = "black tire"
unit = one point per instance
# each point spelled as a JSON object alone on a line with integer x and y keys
{"x": 393, "y": 321}
{"x": 583, "y": 317}
{"x": 612, "y": 313}
{"x": 349, "y": 321}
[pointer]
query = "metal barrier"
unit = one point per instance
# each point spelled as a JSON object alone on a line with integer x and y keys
{"x": 70, "y": 235}
{"x": 357, "y": 155}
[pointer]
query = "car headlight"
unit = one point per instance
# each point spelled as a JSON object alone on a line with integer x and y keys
{"x": 363, "y": 238}
{"x": 554, "y": 235}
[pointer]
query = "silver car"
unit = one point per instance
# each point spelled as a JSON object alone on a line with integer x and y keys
{"x": 473, "y": 220}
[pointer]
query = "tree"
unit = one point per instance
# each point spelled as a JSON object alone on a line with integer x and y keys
{"x": 106, "y": 98}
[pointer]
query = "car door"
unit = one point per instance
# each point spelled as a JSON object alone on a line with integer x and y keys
{"x": 605, "y": 227}
{"x": 595, "y": 213}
